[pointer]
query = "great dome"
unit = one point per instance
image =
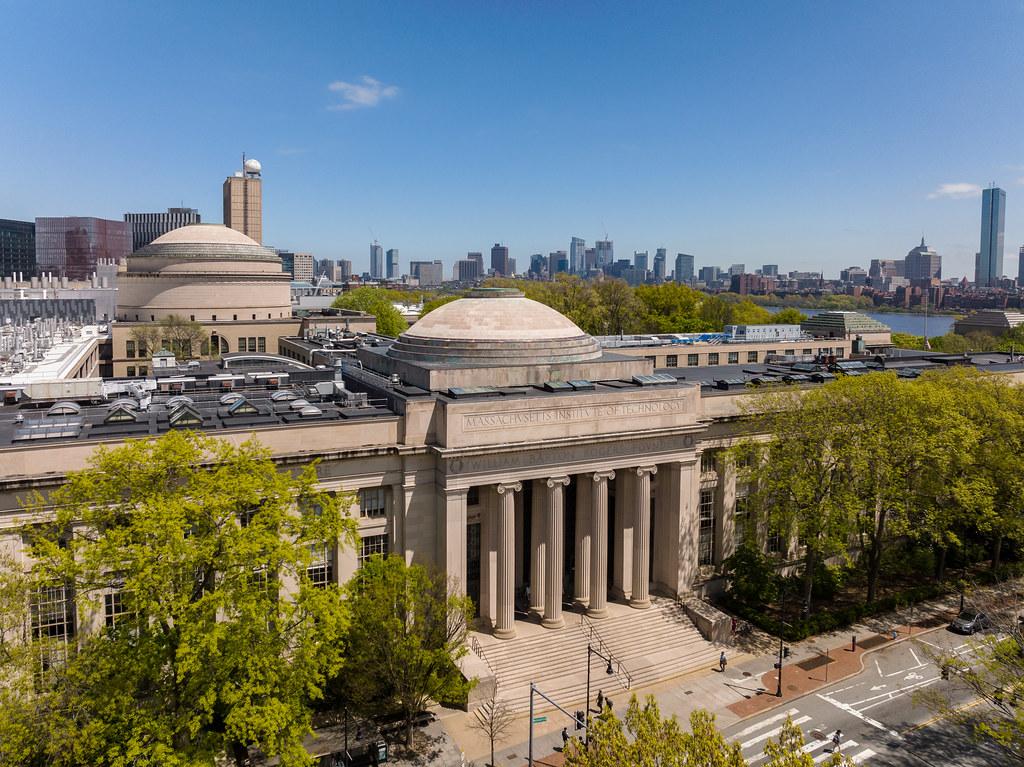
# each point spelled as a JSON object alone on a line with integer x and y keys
{"x": 494, "y": 326}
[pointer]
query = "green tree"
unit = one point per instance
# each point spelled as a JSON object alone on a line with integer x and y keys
{"x": 746, "y": 312}
{"x": 221, "y": 640}
{"x": 670, "y": 308}
{"x": 621, "y": 307}
{"x": 435, "y": 302}
{"x": 378, "y": 302}
{"x": 788, "y": 316}
{"x": 408, "y": 629}
{"x": 750, "y": 575}
{"x": 715, "y": 312}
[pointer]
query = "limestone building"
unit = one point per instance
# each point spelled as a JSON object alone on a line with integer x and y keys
{"x": 243, "y": 200}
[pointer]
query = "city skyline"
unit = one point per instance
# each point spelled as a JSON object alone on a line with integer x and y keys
{"x": 739, "y": 139}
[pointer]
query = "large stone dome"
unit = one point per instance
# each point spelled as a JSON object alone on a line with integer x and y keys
{"x": 494, "y": 326}
{"x": 198, "y": 243}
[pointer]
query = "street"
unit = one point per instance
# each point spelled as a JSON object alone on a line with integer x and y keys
{"x": 876, "y": 713}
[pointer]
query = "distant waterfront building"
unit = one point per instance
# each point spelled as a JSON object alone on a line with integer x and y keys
{"x": 684, "y": 268}
{"x": 303, "y": 267}
{"x": 72, "y": 246}
{"x": 994, "y": 322}
{"x": 479, "y": 258}
{"x": 589, "y": 259}
{"x": 604, "y": 252}
{"x": 500, "y": 262}
{"x": 989, "y": 266}
{"x": 468, "y": 270}
{"x": 376, "y": 261}
{"x": 881, "y": 269}
{"x": 709, "y": 275}
{"x": 923, "y": 263}
{"x": 853, "y": 275}
{"x": 558, "y": 261}
{"x": 770, "y": 270}
{"x": 146, "y": 227}
{"x": 243, "y": 200}
{"x": 428, "y": 273}
{"x": 344, "y": 270}
{"x": 393, "y": 268}
{"x": 577, "y": 255}
{"x": 17, "y": 248}
{"x": 737, "y": 269}
{"x": 1020, "y": 266}
{"x": 538, "y": 266}
{"x": 659, "y": 265}
{"x": 640, "y": 261}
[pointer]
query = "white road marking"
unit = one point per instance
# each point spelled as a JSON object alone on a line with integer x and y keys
{"x": 889, "y": 696}
{"x": 860, "y": 757}
{"x": 879, "y": 667}
{"x": 854, "y": 712}
{"x": 826, "y": 754}
{"x": 912, "y": 675}
{"x": 772, "y": 733}
{"x": 878, "y": 687}
{"x": 812, "y": 746}
{"x": 916, "y": 659}
{"x": 765, "y": 723}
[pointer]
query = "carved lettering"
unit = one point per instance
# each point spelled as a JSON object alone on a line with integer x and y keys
{"x": 488, "y": 421}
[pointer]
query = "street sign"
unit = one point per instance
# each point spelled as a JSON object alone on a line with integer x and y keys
{"x": 539, "y": 719}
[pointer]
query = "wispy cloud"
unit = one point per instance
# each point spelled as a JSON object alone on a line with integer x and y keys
{"x": 959, "y": 191}
{"x": 368, "y": 92}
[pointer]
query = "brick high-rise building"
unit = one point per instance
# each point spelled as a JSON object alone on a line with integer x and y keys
{"x": 243, "y": 200}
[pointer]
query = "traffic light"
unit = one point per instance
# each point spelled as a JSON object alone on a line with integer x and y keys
{"x": 785, "y": 652}
{"x": 580, "y": 720}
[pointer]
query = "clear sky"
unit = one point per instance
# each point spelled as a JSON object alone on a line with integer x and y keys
{"x": 814, "y": 135}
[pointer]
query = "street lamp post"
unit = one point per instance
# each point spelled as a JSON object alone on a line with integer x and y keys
{"x": 608, "y": 670}
{"x": 782, "y": 625}
{"x": 535, "y": 691}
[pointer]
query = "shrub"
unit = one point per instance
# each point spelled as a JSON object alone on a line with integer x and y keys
{"x": 751, "y": 576}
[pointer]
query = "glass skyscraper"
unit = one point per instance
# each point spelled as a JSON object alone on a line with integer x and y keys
{"x": 993, "y": 218}
{"x": 72, "y": 246}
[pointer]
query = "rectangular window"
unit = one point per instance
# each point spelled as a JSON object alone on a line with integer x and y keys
{"x": 372, "y": 502}
{"x": 241, "y": 344}
{"x": 261, "y": 344}
{"x": 713, "y": 358}
{"x": 672, "y": 361}
{"x": 321, "y": 565}
{"x": 734, "y": 358}
{"x": 706, "y": 541}
{"x": 473, "y": 496}
{"x": 692, "y": 360}
{"x": 774, "y": 543}
{"x": 129, "y": 349}
{"x": 707, "y": 461}
{"x": 113, "y": 608}
{"x": 252, "y": 343}
{"x": 839, "y": 352}
{"x": 142, "y": 349}
{"x": 751, "y": 356}
{"x": 131, "y": 371}
{"x": 790, "y": 352}
{"x": 372, "y": 544}
{"x": 740, "y": 518}
{"x": 808, "y": 351}
{"x": 143, "y": 370}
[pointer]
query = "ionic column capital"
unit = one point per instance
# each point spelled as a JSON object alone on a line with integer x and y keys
{"x": 509, "y": 487}
{"x": 553, "y": 481}
{"x": 603, "y": 476}
{"x": 645, "y": 470}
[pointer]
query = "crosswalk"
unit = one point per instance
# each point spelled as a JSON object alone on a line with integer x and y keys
{"x": 752, "y": 739}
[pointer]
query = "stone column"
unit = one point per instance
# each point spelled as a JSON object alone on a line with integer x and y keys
{"x": 640, "y": 598}
{"x": 678, "y": 502}
{"x": 622, "y": 556}
{"x": 598, "y": 605}
{"x": 581, "y": 575}
{"x": 504, "y": 627}
{"x": 538, "y": 521}
{"x": 451, "y": 536}
{"x": 488, "y": 555}
{"x": 725, "y": 508}
{"x": 555, "y": 545}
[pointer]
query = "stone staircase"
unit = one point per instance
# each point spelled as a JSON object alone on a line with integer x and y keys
{"x": 647, "y": 646}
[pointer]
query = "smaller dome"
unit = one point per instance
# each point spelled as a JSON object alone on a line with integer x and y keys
{"x": 253, "y": 166}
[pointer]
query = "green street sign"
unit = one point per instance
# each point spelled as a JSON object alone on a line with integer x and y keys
{"x": 539, "y": 719}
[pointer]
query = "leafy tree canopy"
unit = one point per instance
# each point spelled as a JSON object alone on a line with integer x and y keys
{"x": 378, "y": 302}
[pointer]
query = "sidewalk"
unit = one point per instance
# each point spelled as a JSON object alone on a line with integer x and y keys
{"x": 749, "y": 683}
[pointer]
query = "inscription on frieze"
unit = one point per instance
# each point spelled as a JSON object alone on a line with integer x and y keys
{"x": 575, "y": 413}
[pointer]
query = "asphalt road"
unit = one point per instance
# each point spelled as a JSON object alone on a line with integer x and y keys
{"x": 881, "y": 724}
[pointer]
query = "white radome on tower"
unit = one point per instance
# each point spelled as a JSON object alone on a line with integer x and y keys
{"x": 253, "y": 166}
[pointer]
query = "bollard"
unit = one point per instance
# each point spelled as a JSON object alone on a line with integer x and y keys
{"x": 853, "y": 644}
{"x": 894, "y": 634}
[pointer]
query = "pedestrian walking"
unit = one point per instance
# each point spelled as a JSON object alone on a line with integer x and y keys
{"x": 721, "y": 662}
{"x": 836, "y": 739}
{"x": 600, "y": 700}
{"x": 565, "y": 737}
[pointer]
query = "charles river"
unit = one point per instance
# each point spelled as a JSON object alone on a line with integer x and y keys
{"x": 901, "y": 322}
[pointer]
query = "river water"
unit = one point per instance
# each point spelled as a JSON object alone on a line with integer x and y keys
{"x": 901, "y": 322}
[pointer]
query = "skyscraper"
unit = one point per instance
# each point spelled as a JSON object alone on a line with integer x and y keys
{"x": 640, "y": 260}
{"x": 923, "y": 263}
{"x": 72, "y": 246}
{"x": 17, "y": 248}
{"x": 146, "y": 227}
{"x": 467, "y": 270}
{"x": 500, "y": 263}
{"x": 659, "y": 265}
{"x": 479, "y": 258}
{"x": 605, "y": 253}
{"x": 243, "y": 200}
{"x": 376, "y": 261}
{"x": 302, "y": 268}
{"x": 558, "y": 261}
{"x": 1020, "y": 266}
{"x": 577, "y": 255}
{"x": 344, "y": 270}
{"x": 770, "y": 270}
{"x": 393, "y": 268}
{"x": 684, "y": 268}
{"x": 990, "y": 257}
{"x": 427, "y": 272}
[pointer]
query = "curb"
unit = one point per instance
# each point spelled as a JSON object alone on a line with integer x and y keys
{"x": 859, "y": 671}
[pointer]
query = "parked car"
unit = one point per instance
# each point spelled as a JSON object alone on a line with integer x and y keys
{"x": 970, "y": 621}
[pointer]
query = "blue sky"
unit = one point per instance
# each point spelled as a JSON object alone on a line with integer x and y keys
{"x": 812, "y": 135}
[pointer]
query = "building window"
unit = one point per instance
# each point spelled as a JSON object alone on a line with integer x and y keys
{"x": 113, "y": 608}
{"x": 713, "y": 358}
{"x": 808, "y": 351}
{"x": 372, "y": 502}
{"x": 321, "y": 565}
{"x": 751, "y": 356}
{"x": 129, "y": 349}
{"x": 654, "y": 360}
{"x": 53, "y": 624}
{"x": 774, "y": 542}
{"x": 241, "y": 344}
{"x": 734, "y": 358}
{"x": 707, "y": 461}
{"x": 473, "y": 496}
{"x": 672, "y": 361}
{"x": 706, "y": 541}
{"x": 740, "y": 518}
{"x": 372, "y": 544}
{"x": 131, "y": 371}
{"x": 261, "y": 344}
{"x": 692, "y": 360}
{"x": 839, "y": 352}
{"x": 252, "y": 343}
{"x": 143, "y": 369}
{"x": 790, "y": 352}
{"x": 769, "y": 353}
